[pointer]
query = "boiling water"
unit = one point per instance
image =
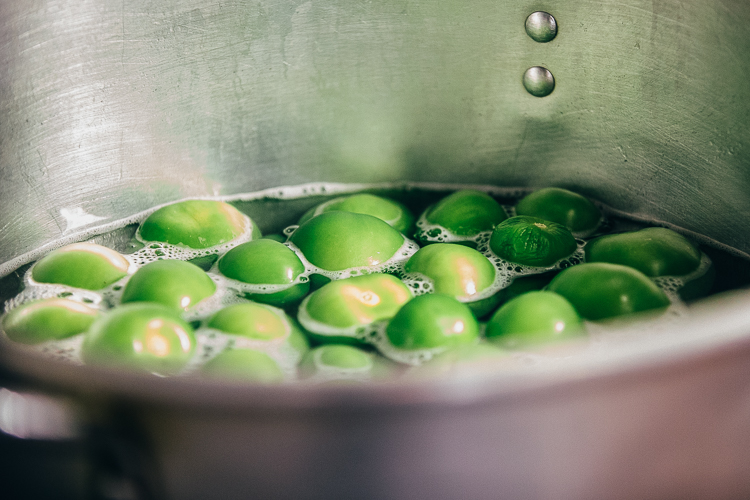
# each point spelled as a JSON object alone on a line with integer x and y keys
{"x": 276, "y": 211}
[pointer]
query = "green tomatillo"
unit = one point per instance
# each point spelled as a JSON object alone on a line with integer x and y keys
{"x": 48, "y": 319}
{"x": 337, "y": 310}
{"x": 196, "y": 224}
{"x": 266, "y": 262}
{"x": 570, "y": 209}
{"x": 173, "y": 283}
{"x": 465, "y": 360}
{"x": 146, "y": 337}
{"x": 462, "y": 215}
{"x": 263, "y": 327}
{"x": 334, "y": 362}
{"x": 432, "y": 321}
{"x": 600, "y": 291}
{"x": 389, "y": 211}
{"x": 532, "y": 319}
{"x": 81, "y": 265}
{"x": 654, "y": 251}
{"x": 531, "y": 241}
{"x": 456, "y": 270}
{"x": 244, "y": 365}
{"x": 335, "y": 241}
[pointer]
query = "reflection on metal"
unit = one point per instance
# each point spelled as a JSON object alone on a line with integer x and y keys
{"x": 76, "y": 218}
{"x": 541, "y": 27}
{"x": 33, "y": 416}
{"x": 539, "y": 81}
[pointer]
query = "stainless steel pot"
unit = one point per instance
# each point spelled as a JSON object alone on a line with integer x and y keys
{"x": 109, "y": 108}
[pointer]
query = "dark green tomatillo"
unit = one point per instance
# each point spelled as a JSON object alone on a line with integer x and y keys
{"x": 532, "y": 241}
{"x": 654, "y": 251}
{"x": 570, "y": 209}
{"x": 463, "y": 215}
{"x": 600, "y": 291}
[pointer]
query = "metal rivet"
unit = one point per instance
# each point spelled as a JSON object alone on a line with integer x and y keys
{"x": 541, "y": 26}
{"x": 538, "y": 81}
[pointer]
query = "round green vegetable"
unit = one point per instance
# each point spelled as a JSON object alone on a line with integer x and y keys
{"x": 455, "y": 270}
{"x": 342, "y": 362}
{"x": 333, "y": 312}
{"x": 245, "y": 365}
{"x": 532, "y": 241}
{"x": 147, "y": 337}
{"x": 391, "y": 212}
{"x": 342, "y": 356}
{"x": 336, "y": 241}
{"x": 195, "y": 224}
{"x": 466, "y": 213}
{"x": 600, "y": 291}
{"x": 654, "y": 251}
{"x": 534, "y": 318}
{"x": 48, "y": 319}
{"x": 431, "y": 321}
{"x": 266, "y": 262}
{"x": 570, "y": 209}
{"x": 465, "y": 359}
{"x": 173, "y": 283}
{"x": 264, "y": 327}
{"x": 81, "y": 265}
{"x": 253, "y": 321}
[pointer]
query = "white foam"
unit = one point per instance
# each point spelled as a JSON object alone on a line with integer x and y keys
{"x": 674, "y": 283}
{"x": 33, "y": 290}
{"x": 67, "y": 350}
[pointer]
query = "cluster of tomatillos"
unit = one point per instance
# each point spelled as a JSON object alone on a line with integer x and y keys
{"x": 360, "y": 278}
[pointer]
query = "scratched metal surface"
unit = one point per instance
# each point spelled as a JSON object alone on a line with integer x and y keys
{"x": 110, "y": 107}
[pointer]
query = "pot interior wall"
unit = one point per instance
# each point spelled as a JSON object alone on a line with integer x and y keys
{"x": 110, "y": 108}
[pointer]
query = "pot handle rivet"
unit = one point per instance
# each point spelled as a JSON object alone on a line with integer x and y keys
{"x": 541, "y": 26}
{"x": 539, "y": 81}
